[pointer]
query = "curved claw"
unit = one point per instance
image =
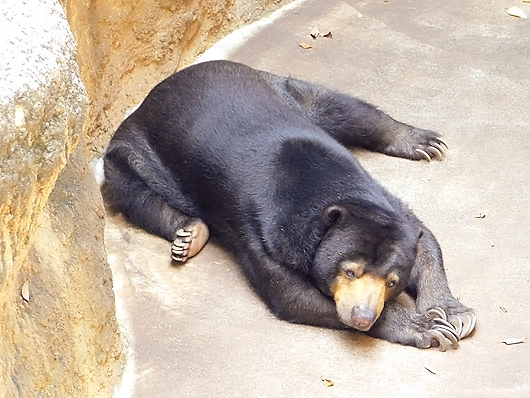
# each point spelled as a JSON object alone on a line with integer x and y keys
{"x": 443, "y": 322}
{"x": 439, "y": 154}
{"x": 179, "y": 258}
{"x": 443, "y": 142}
{"x": 467, "y": 323}
{"x": 424, "y": 154}
{"x": 183, "y": 233}
{"x": 442, "y": 341}
{"x": 184, "y": 236}
{"x": 449, "y": 334}
{"x": 450, "y": 329}
{"x": 437, "y": 313}
{"x": 439, "y": 147}
{"x": 458, "y": 325}
{"x": 472, "y": 325}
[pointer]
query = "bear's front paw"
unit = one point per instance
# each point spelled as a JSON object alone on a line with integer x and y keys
{"x": 189, "y": 241}
{"x": 416, "y": 144}
{"x": 449, "y": 330}
{"x": 442, "y": 331}
{"x": 427, "y": 145}
{"x": 464, "y": 322}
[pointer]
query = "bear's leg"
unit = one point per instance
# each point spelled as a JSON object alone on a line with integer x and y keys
{"x": 354, "y": 122}
{"x": 146, "y": 208}
{"x": 297, "y": 300}
{"x": 428, "y": 283}
{"x": 398, "y": 324}
{"x": 289, "y": 296}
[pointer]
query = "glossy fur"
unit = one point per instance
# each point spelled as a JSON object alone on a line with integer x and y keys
{"x": 262, "y": 161}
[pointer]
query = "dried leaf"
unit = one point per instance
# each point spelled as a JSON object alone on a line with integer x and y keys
{"x": 516, "y": 12}
{"x": 480, "y": 215}
{"x": 328, "y": 35}
{"x": 526, "y": 1}
{"x": 25, "y": 291}
{"x": 513, "y": 340}
{"x": 328, "y": 382}
{"x": 315, "y": 32}
{"x": 305, "y": 46}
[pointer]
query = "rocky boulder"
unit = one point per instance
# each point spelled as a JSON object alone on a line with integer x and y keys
{"x": 59, "y": 336}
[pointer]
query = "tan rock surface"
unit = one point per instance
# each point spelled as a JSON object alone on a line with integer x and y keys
{"x": 58, "y": 333}
{"x": 125, "y": 48}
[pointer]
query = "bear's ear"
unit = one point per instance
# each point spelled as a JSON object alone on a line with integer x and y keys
{"x": 333, "y": 214}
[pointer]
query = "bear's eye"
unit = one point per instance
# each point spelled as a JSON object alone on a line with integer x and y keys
{"x": 350, "y": 273}
{"x": 391, "y": 284}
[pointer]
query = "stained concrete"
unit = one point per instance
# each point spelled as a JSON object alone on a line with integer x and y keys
{"x": 460, "y": 68}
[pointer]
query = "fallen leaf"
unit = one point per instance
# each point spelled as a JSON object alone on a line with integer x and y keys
{"x": 526, "y": 1}
{"x": 516, "y": 12}
{"x": 328, "y": 382}
{"x": 315, "y": 32}
{"x": 25, "y": 291}
{"x": 305, "y": 46}
{"x": 512, "y": 341}
{"x": 328, "y": 35}
{"x": 480, "y": 215}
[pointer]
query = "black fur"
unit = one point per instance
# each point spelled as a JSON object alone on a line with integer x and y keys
{"x": 262, "y": 161}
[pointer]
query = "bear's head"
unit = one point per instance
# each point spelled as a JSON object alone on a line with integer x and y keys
{"x": 364, "y": 259}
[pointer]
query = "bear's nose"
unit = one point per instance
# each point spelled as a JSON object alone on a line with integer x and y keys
{"x": 362, "y": 317}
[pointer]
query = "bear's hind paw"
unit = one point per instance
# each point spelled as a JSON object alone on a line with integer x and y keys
{"x": 189, "y": 241}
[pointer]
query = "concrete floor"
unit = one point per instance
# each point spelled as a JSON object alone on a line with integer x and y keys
{"x": 461, "y": 68}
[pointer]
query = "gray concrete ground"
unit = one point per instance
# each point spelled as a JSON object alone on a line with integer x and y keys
{"x": 461, "y": 68}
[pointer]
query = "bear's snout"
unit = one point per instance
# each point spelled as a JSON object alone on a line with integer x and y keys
{"x": 359, "y": 301}
{"x": 362, "y": 318}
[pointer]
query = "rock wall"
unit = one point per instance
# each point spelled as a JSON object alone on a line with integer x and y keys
{"x": 126, "y": 47}
{"x": 58, "y": 332}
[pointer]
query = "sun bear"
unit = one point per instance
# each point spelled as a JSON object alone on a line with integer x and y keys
{"x": 260, "y": 162}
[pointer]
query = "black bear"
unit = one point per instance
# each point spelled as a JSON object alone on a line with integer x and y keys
{"x": 259, "y": 161}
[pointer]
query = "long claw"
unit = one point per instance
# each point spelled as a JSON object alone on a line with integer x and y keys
{"x": 443, "y": 322}
{"x": 424, "y": 154}
{"x": 183, "y": 233}
{"x": 449, "y": 335}
{"x": 185, "y": 239}
{"x": 474, "y": 322}
{"x": 445, "y": 328}
{"x": 439, "y": 147}
{"x": 437, "y": 313}
{"x": 458, "y": 325}
{"x": 468, "y": 324}
{"x": 442, "y": 341}
{"x": 438, "y": 153}
{"x": 443, "y": 142}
